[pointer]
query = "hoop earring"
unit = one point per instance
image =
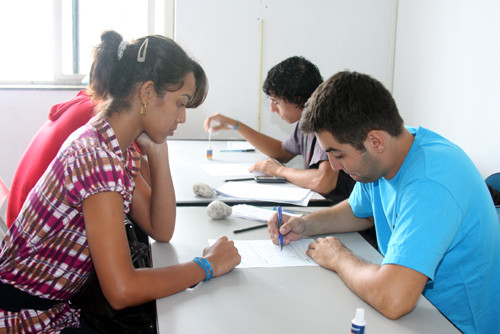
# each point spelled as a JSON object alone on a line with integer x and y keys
{"x": 143, "y": 109}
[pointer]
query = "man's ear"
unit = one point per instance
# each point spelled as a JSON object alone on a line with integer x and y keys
{"x": 376, "y": 141}
{"x": 147, "y": 91}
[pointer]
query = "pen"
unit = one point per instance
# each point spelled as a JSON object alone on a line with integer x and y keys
{"x": 280, "y": 221}
{"x": 244, "y": 150}
{"x": 250, "y": 228}
{"x": 243, "y": 179}
{"x": 294, "y": 212}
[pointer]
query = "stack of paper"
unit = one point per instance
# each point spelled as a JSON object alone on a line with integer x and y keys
{"x": 281, "y": 193}
{"x": 256, "y": 213}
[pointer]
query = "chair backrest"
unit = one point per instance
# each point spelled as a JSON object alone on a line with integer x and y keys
{"x": 4, "y": 194}
{"x": 493, "y": 181}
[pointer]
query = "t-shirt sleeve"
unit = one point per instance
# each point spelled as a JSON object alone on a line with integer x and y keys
{"x": 360, "y": 200}
{"x": 424, "y": 227}
{"x": 293, "y": 143}
{"x": 94, "y": 170}
{"x": 318, "y": 155}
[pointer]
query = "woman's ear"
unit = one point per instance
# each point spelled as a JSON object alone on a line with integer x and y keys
{"x": 147, "y": 91}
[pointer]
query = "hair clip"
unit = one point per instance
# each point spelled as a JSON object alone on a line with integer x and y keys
{"x": 141, "y": 55}
{"x": 121, "y": 49}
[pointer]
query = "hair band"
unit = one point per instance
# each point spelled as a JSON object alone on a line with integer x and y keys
{"x": 141, "y": 55}
{"x": 121, "y": 49}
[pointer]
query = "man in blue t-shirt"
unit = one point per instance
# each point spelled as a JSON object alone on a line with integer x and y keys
{"x": 435, "y": 220}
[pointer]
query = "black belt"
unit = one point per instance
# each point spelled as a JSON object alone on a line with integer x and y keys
{"x": 14, "y": 300}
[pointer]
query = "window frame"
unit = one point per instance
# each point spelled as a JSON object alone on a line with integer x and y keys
{"x": 161, "y": 15}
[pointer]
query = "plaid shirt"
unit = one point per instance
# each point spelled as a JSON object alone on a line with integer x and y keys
{"x": 45, "y": 253}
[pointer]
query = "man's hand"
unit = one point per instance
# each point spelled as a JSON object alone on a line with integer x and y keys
{"x": 326, "y": 251}
{"x": 292, "y": 228}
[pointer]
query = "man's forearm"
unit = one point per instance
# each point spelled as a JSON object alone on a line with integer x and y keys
{"x": 336, "y": 219}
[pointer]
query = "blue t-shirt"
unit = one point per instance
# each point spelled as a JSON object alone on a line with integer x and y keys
{"x": 437, "y": 217}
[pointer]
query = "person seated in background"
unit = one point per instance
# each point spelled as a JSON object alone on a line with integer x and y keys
{"x": 435, "y": 220}
{"x": 72, "y": 222}
{"x": 289, "y": 85}
{"x": 64, "y": 118}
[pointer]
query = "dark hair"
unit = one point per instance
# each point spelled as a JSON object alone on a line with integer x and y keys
{"x": 293, "y": 80}
{"x": 349, "y": 105}
{"x": 165, "y": 63}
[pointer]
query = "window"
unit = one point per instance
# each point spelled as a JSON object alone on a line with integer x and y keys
{"x": 51, "y": 41}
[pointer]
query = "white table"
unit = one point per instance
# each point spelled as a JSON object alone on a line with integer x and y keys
{"x": 188, "y": 157}
{"x": 271, "y": 300}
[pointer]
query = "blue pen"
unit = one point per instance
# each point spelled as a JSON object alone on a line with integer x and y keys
{"x": 280, "y": 222}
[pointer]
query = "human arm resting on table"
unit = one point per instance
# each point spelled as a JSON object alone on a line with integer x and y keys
{"x": 391, "y": 289}
{"x": 322, "y": 180}
{"x": 121, "y": 283}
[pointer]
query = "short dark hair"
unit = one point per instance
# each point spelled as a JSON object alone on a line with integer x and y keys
{"x": 165, "y": 63}
{"x": 293, "y": 80}
{"x": 349, "y": 105}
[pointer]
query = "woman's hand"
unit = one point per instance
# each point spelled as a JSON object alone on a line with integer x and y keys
{"x": 222, "y": 255}
{"x": 146, "y": 145}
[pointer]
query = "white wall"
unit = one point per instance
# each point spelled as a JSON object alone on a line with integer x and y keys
{"x": 237, "y": 42}
{"x": 447, "y": 73}
{"x": 22, "y": 113}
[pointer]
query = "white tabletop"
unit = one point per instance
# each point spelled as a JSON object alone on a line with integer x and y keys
{"x": 189, "y": 165}
{"x": 271, "y": 300}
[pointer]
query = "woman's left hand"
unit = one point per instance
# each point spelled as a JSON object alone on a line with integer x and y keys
{"x": 147, "y": 146}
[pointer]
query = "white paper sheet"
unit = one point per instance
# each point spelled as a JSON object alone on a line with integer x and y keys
{"x": 263, "y": 253}
{"x": 266, "y": 192}
{"x": 252, "y": 212}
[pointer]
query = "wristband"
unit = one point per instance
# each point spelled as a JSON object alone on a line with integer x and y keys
{"x": 237, "y": 125}
{"x": 205, "y": 265}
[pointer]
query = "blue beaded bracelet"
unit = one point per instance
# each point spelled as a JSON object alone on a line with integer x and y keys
{"x": 208, "y": 266}
{"x": 205, "y": 265}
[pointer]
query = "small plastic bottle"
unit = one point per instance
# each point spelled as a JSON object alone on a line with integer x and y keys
{"x": 209, "y": 148}
{"x": 358, "y": 323}
{"x": 209, "y": 153}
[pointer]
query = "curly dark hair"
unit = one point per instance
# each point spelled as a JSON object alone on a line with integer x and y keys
{"x": 293, "y": 80}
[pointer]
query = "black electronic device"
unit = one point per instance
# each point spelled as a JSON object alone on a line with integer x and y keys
{"x": 269, "y": 179}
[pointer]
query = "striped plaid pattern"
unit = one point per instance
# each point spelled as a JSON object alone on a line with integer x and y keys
{"x": 45, "y": 252}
